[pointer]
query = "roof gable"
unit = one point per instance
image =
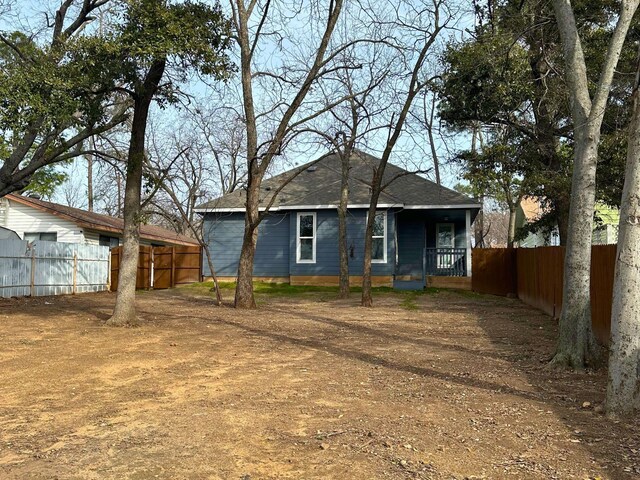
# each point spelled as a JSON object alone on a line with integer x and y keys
{"x": 317, "y": 185}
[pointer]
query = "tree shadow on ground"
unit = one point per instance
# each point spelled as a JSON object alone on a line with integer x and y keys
{"x": 522, "y": 340}
{"x": 522, "y": 336}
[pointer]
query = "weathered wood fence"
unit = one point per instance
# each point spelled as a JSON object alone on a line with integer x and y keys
{"x": 535, "y": 276}
{"x": 52, "y": 268}
{"x": 161, "y": 267}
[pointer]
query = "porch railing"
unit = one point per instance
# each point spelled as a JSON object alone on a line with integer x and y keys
{"x": 450, "y": 262}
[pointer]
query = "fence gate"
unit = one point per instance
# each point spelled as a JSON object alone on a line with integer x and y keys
{"x": 161, "y": 267}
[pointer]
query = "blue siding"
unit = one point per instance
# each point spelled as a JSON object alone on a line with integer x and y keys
{"x": 327, "y": 257}
{"x": 411, "y": 243}
{"x": 224, "y": 232}
{"x": 272, "y": 251}
{"x": 276, "y": 250}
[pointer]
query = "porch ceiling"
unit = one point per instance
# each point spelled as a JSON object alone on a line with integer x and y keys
{"x": 448, "y": 215}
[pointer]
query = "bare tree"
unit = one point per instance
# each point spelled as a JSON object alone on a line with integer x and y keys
{"x": 189, "y": 166}
{"x": 251, "y": 20}
{"x": 623, "y": 390}
{"x": 349, "y": 125}
{"x": 427, "y": 22}
{"x": 576, "y": 346}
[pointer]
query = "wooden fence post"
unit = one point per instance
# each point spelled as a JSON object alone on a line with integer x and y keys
{"x": 173, "y": 267}
{"x": 109, "y": 271}
{"x": 33, "y": 271}
{"x": 75, "y": 273}
{"x": 152, "y": 265}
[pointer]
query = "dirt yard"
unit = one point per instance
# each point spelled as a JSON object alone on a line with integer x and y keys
{"x": 438, "y": 386}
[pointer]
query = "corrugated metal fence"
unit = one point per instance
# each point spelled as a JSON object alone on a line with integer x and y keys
{"x": 535, "y": 275}
{"x": 52, "y": 268}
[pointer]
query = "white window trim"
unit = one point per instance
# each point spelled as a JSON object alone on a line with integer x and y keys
{"x": 315, "y": 236}
{"x": 384, "y": 238}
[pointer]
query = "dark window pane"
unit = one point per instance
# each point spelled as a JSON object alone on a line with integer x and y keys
{"x": 30, "y": 237}
{"x": 445, "y": 237}
{"x": 46, "y": 236}
{"x": 377, "y": 251}
{"x": 306, "y": 249}
{"x": 378, "y": 225}
{"x": 107, "y": 241}
{"x": 306, "y": 225}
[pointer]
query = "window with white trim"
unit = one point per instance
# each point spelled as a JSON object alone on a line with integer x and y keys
{"x": 306, "y": 238}
{"x": 379, "y": 238}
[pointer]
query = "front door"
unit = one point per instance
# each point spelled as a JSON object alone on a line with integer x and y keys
{"x": 445, "y": 242}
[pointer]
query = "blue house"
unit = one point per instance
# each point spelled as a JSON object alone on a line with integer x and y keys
{"x": 422, "y": 230}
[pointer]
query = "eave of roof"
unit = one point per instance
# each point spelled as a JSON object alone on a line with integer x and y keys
{"x": 101, "y": 227}
{"x": 333, "y": 207}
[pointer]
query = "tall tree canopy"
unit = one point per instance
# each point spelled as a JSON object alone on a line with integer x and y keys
{"x": 510, "y": 74}
{"x": 50, "y": 101}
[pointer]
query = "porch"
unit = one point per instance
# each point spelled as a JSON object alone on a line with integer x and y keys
{"x": 436, "y": 262}
{"x": 433, "y": 249}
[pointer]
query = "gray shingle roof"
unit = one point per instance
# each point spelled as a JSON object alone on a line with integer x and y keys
{"x": 317, "y": 184}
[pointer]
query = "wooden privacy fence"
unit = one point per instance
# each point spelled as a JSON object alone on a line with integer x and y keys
{"x": 161, "y": 267}
{"x": 535, "y": 276}
{"x": 52, "y": 268}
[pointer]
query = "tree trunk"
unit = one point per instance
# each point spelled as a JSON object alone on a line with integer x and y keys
{"x": 244, "y": 287}
{"x": 90, "y": 183}
{"x": 511, "y": 234}
{"x": 367, "y": 300}
{"x": 479, "y": 226}
{"x": 342, "y": 226}
{"x": 623, "y": 390}
{"x": 125, "y": 310}
{"x": 216, "y": 286}
{"x": 576, "y": 345}
{"x": 561, "y": 206}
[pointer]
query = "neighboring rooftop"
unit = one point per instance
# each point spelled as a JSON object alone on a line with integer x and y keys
{"x": 102, "y": 223}
{"x": 317, "y": 185}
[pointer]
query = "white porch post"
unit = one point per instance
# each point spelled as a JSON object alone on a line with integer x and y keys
{"x": 468, "y": 232}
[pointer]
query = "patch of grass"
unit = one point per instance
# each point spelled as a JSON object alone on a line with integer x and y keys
{"x": 410, "y": 297}
{"x": 324, "y": 292}
{"x": 285, "y": 289}
{"x": 409, "y": 302}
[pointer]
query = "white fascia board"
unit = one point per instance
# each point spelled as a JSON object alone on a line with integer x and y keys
{"x": 292, "y": 207}
{"x": 216, "y": 209}
{"x": 325, "y": 207}
{"x": 438, "y": 207}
